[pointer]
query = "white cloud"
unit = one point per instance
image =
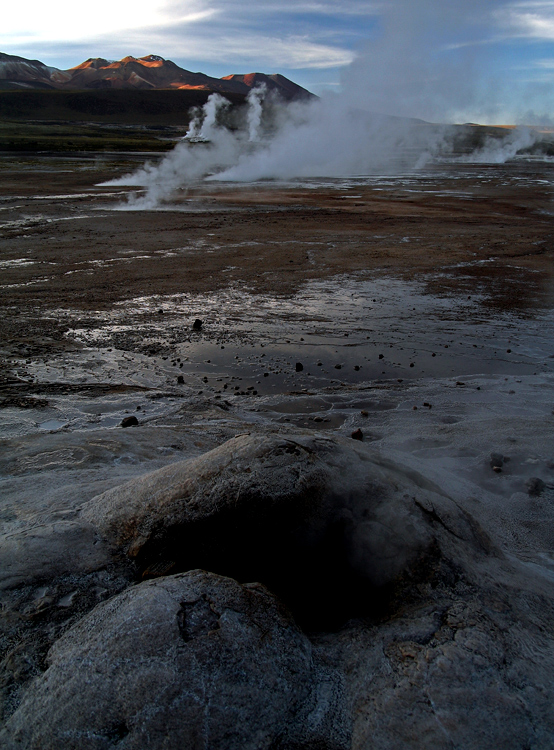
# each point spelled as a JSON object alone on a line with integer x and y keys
{"x": 65, "y": 20}
{"x": 254, "y": 51}
{"x": 210, "y": 31}
{"x": 534, "y": 20}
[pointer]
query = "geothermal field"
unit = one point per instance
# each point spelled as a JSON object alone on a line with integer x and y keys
{"x": 328, "y": 523}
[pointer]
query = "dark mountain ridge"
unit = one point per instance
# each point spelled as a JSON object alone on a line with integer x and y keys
{"x": 151, "y": 72}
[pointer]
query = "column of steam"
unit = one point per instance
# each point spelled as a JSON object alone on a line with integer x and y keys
{"x": 195, "y": 124}
{"x": 254, "y": 117}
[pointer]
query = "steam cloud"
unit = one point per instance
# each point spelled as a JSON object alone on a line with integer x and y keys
{"x": 405, "y": 73}
{"x": 319, "y": 138}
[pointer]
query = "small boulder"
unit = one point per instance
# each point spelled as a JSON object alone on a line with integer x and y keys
{"x": 535, "y": 486}
{"x": 129, "y": 421}
{"x": 197, "y": 325}
{"x": 188, "y": 661}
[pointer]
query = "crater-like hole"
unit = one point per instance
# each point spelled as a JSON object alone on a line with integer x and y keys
{"x": 306, "y": 566}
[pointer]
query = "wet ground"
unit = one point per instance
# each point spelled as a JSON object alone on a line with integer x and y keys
{"x": 301, "y": 287}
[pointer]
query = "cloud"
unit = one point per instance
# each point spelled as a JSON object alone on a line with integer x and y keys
{"x": 63, "y": 20}
{"x": 533, "y": 19}
{"x": 460, "y": 59}
{"x": 206, "y": 31}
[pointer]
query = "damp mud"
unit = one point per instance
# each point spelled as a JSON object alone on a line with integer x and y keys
{"x": 301, "y": 288}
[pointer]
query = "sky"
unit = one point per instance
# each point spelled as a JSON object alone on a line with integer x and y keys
{"x": 489, "y": 61}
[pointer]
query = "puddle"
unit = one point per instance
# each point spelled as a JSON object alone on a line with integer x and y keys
{"x": 332, "y": 332}
{"x": 52, "y": 424}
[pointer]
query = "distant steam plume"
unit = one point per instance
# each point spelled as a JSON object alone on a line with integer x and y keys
{"x": 420, "y": 65}
{"x": 254, "y": 117}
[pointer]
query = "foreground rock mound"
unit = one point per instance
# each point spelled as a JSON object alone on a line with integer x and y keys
{"x": 189, "y": 661}
{"x": 317, "y": 519}
{"x": 384, "y": 616}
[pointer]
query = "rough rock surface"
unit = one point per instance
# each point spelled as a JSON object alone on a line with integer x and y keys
{"x": 420, "y": 629}
{"x": 188, "y": 661}
{"x": 255, "y": 488}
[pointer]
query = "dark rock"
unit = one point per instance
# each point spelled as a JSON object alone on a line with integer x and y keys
{"x": 381, "y": 356}
{"x": 497, "y": 460}
{"x": 197, "y": 325}
{"x": 180, "y": 380}
{"x": 357, "y": 435}
{"x": 299, "y": 367}
{"x": 535, "y": 486}
{"x": 187, "y": 661}
{"x": 129, "y": 422}
{"x": 338, "y": 367}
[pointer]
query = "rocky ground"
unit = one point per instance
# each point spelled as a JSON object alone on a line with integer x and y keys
{"x": 234, "y": 570}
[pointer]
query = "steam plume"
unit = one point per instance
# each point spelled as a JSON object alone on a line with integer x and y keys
{"x": 406, "y": 72}
{"x": 254, "y": 117}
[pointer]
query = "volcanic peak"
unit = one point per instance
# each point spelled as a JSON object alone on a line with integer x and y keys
{"x": 148, "y": 72}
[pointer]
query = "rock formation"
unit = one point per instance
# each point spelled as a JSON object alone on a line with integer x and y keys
{"x": 350, "y": 602}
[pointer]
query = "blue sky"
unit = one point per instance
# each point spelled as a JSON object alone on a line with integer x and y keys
{"x": 486, "y": 60}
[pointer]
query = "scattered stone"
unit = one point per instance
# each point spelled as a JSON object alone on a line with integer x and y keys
{"x": 160, "y": 311}
{"x": 357, "y": 368}
{"x": 497, "y": 459}
{"x": 357, "y": 435}
{"x": 535, "y": 486}
{"x": 299, "y": 367}
{"x": 129, "y": 422}
{"x": 338, "y": 367}
{"x": 180, "y": 380}
{"x": 381, "y": 356}
{"x": 197, "y": 325}
{"x": 364, "y": 413}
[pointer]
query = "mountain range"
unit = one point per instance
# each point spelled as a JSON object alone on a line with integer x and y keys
{"x": 151, "y": 72}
